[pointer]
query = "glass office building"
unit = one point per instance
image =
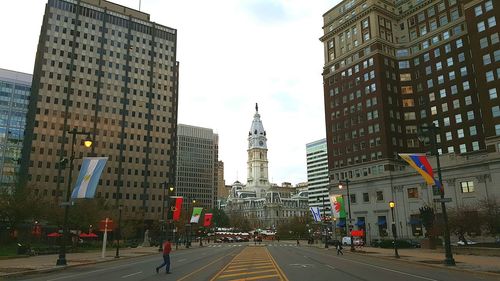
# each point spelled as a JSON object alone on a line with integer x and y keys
{"x": 15, "y": 90}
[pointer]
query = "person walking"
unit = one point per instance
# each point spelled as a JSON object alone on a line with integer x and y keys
{"x": 167, "y": 247}
{"x": 339, "y": 248}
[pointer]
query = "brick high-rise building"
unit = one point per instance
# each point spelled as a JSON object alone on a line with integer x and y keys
{"x": 109, "y": 70}
{"x": 392, "y": 67}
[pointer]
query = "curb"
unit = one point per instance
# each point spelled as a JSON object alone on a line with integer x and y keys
{"x": 432, "y": 265}
{"x": 55, "y": 268}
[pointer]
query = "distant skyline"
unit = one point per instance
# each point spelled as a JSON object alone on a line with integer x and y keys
{"x": 232, "y": 55}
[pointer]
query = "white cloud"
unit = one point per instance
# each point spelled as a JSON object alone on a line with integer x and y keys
{"x": 232, "y": 54}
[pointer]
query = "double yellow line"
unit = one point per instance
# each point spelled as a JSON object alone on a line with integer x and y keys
{"x": 253, "y": 263}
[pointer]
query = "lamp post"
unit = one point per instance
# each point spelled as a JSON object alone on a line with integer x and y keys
{"x": 164, "y": 224}
{"x": 429, "y": 133}
{"x": 87, "y": 143}
{"x": 346, "y": 181}
{"x": 394, "y": 234}
{"x": 322, "y": 221}
{"x": 119, "y": 228}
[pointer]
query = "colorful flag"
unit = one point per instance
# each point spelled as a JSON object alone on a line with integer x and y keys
{"x": 316, "y": 213}
{"x": 420, "y": 164}
{"x": 87, "y": 181}
{"x": 208, "y": 220}
{"x": 337, "y": 205}
{"x": 175, "y": 207}
{"x": 195, "y": 217}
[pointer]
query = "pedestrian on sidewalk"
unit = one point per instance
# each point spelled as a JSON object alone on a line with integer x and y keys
{"x": 339, "y": 248}
{"x": 298, "y": 242}
{"x": 167, "y": 247}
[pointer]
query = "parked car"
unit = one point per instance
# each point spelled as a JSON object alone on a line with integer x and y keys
{"x": 402, "y": 243}
{"x": 469, "y": 242}
{"x": 333, "y": 242}
{"x": 347, "y": 241}
{"x": 375, "y": 242}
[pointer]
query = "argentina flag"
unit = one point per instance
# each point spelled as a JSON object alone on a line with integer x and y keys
{"x": 88, "y": 178}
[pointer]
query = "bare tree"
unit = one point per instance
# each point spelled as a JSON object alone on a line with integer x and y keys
{"x": 490, "y": 213}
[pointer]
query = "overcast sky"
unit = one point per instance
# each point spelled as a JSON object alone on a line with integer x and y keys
{"x": 232, "y": 54}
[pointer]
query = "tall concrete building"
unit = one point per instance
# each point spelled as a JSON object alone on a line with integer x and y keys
{"x": 317, "y": 175}
{"x": 393, "y": 66}
{"x": 15, "y": 90}
{"x": 197, "y": 157}
{"x": 108, "y": 70}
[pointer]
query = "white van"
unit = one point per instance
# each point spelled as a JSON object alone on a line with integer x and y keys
{"x": 347, "y": 241}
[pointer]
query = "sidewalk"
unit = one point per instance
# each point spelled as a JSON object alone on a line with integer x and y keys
{"x": 488, "y": 264}
{"x": 47, "y": 263}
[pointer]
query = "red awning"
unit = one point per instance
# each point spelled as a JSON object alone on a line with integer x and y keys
{"x": 54, "y": 234}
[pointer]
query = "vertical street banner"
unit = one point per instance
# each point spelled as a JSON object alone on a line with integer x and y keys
{"x": 174, "y": 208}
{"x": 87, "y": 181}
{"x": 316, "y": 213}
{"x": 337, "y": 205}
{"x": 207, "y": 221}
{"x": 420, "y": 163}
{"x": 195, "y": 217}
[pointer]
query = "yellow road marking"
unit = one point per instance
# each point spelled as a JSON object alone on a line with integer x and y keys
{"x": 257, "y": 277}
{"x": 246, "y": 273}
{"x": 257, "y": 267}
{"x": 251, "y": 264}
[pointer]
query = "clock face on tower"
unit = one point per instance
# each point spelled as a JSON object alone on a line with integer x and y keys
{"x": 261, "y": 143}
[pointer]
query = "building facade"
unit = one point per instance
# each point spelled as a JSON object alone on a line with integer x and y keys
{"x": 108, "y": 70}
{"x": 263, "y": 204}
{"x": 317, "y": 175}
{"x": 15, "y": 90}
{"x": 222, "y": 190}
{"x": 197, "y": 158}
{"x": 392, "y": 67}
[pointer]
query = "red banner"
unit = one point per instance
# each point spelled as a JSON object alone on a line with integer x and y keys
{"x": 175, "y": 204}
{"x": 207, "y": 220}
{"x": 357, "y": 233}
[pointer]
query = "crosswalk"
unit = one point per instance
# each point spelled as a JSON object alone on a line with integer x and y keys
{"x": 242, "y": 245}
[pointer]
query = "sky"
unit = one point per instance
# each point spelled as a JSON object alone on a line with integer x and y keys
{"x": 232, "y": 54}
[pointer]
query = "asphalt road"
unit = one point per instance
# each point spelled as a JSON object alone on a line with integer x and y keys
{"x": 273, "y": 261}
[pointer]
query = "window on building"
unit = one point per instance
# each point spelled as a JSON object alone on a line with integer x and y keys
{"x": 473, "y": 130}
{"x": 495, "y": 111}
{"x": 478, "y": 10}
{"x": 353, "y": 198}
{"x": 486, "y": 59}
{"x": 492, "y": 93}
{"x": 412, "y": 192}
{"x": 475, "y": 146}
{"x": 490, "y": 76}
{"x": 488, "y": 5}
{"x": 480, "y": 26}
{"x": 492, "y": 22}
{"x": 460, "y": 133}
{"x": 458, "y": 118}
{"x": 463, "y": 148}
{"x": 483, "y": 42}
{"x": 380, "y": 196}
{"x": 497, "y": 130}
{"x": 467, "y": 186}
{"x": 366, "y": 197}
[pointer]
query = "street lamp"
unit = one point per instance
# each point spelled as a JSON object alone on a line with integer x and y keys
{"x": 428, "y": 134}
{"x": 88, "y": 143}
{"x": 322, "y": 222}
{"x": 166, "y": 201}
{"x": 394, "y": 234}
{"x": 346, "y": 181}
